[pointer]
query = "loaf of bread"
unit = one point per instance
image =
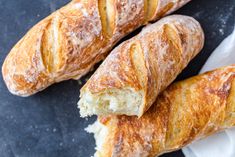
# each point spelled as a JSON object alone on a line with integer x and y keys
{"x": 186, "y": 111}
{"x": 68, "y": 43}
{"x": 132, "y": 76}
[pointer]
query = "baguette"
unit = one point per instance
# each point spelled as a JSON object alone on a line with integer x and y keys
{"x": 132, "y": 76}
{"x": 68, "y": 43}
{"x": 186, "y": 111}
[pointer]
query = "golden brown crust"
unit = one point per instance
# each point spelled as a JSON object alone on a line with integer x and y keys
{"x": 68, "y": 43}
{"x": 165, "y": 47}
{"x": 186, "y": 111}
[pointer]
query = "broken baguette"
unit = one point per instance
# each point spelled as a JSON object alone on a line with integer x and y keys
{"x": 132, "y": 76}
{"x": 186, "y": 111}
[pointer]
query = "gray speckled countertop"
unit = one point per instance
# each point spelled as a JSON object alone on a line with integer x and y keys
{"x": 48, "y": 123}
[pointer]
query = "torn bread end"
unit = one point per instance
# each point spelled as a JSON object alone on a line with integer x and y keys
{"x": 100, "y": 131}
{"x": 126, "y": 101}
{"x": 104, "y": 135}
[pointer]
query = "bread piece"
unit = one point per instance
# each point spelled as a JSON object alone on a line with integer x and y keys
{"x": 132, "y": 76}
{"x": 68, "y": 43}
{"x": 186, "y": 111}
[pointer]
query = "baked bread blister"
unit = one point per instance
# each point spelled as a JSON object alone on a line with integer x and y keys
{"x": 186, "y": 111}
{"x": 134, "y": 73}
{"x": 68, "y": 43}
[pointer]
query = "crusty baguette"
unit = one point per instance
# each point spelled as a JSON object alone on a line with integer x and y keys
{"x": 132, "y": 76}
{"x": 186, "y": 111}
{"x": 68, "y": 43}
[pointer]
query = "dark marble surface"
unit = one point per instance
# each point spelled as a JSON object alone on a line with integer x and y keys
{"x": 48, "y": 123}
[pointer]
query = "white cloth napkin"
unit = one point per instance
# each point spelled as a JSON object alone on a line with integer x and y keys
{"x": 221, "y": 144}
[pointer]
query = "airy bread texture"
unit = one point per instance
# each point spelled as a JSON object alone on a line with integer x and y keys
{"x": 111, "y": 101}
{"x": 132, "y": 76}
{"x": 68, "y": 43}
{"x": 186, "y": 111}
